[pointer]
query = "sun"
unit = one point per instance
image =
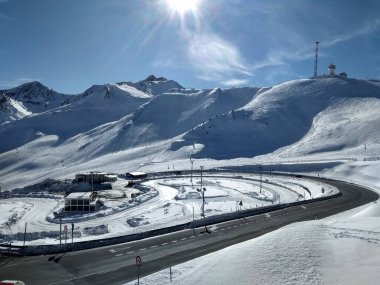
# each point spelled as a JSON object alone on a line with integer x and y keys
{"x": 183, "y": 6}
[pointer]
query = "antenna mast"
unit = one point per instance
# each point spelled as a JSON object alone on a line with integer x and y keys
{"x": 316, "y": 59}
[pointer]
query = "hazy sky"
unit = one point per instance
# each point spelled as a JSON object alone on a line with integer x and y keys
{"x": 70, "y": 45}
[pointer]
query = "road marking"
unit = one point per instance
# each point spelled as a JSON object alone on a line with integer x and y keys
{"x": 143, "y": 249}
{"x": 303, "y": 207}
{"x": 222, "y": 229}
{"x": 173, "y": 241}
{"x": 183, "y": 238}
{"x": 119, "y": 249}
{"x": 130, "y": 252}
{"x": 153, "y": 246}
{"x": 120, "y": 254}
{"x": 165, "y": 243}
{"x": 192, "y": 237}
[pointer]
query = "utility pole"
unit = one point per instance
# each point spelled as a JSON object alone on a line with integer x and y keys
{"x": 203, "y": 198}
{"x": 171, "y": 263}
{"x": 60, "y": 230}
{"x": 25, "y": 233}
{"x": 261, "y": 177}
{"x": 72, "y": 233}
{"x": 191, "y": 174}
{"x": 92, "y": 181}
{"x": 202, "y": 190}
{"x": 201, "y": 175}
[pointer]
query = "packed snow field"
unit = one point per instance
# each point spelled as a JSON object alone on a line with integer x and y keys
{"x": 323, "y": 127}
{"x": 169, "y": 201}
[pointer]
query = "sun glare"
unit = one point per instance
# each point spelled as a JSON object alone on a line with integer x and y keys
{"x": 183, "y": 6}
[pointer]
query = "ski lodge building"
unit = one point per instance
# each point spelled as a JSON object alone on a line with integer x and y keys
{"x": 91, "y": 177}
{"x": 81, "y": 202}
{"x": 136, "y": 175}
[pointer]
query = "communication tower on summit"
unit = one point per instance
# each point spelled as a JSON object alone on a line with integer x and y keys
{"x": 316, "y": 59}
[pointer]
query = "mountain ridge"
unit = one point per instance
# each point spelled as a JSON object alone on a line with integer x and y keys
{"x": 127, "y": 127}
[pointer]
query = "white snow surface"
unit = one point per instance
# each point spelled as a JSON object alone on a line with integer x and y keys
{"x": 328, "y": 127}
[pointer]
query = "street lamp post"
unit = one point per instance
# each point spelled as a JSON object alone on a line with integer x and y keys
{"x": 191, "y": 174}
{"x": 261, "y": 177}
{"x": 202, "y": 190}
{"x": 92, "y": 181}
{"x": 201, "y": 175}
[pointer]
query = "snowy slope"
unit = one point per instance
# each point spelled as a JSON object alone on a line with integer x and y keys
{"x": 11, "y": 109}
{"x": 97, "y": 105}
{"x": 164, "y": 117}
{"x": 287, "y": 113}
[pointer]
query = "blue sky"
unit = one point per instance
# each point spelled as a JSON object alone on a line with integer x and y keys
{"x": 70, "y": 45}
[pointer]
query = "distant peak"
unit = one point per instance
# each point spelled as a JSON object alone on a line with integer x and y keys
{"x": 33, "y": 85}
{"x": 154, "y": 78}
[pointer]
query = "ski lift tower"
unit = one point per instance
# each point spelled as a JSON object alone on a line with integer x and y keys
{"x": 316, "y": 59}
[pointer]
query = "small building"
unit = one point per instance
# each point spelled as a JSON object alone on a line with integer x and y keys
{"x": 81, "y": 202}
{"x": 331, "y": 69}
{"x": 136, "y": 175}
{"x": 331, "y": 73}
{"x": 95, "y": 177}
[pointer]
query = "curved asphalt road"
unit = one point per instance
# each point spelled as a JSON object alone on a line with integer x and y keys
{"x": 116, "y": 264}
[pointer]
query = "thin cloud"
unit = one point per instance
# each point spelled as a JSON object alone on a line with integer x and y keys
{"x": 366, "y": 29}
{"x": 3, "y": 16}
{"x": 281, "y": 56}
{"x": 216, "y": 59}
{"x": 235, "y": 82}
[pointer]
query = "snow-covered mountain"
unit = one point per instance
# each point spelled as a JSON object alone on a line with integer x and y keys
{"x": 164, "y": 117}
{"x": 297, "y": 117}
{"x": 96, "y": 106}
{"x": 36, "y": 97}
{"x": 157, "y": 120}
{"x": 154, "y": 85}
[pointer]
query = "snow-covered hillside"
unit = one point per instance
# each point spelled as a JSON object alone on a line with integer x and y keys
{"x": 133, "y": 125}
{"x": 310, "y": 115}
